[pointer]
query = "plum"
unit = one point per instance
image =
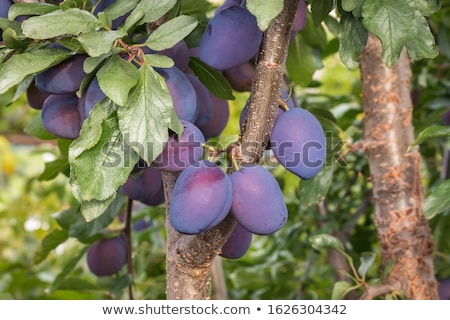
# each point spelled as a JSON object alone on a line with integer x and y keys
{"x": 107, "y": 256}
{"x": 237, "y": 243}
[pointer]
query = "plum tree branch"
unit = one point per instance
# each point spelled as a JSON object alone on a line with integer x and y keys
{"x": 404, "y": 234}
{"x": 190, "y": 258}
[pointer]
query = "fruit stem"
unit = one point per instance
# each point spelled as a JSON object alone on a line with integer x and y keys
{"x": 128, "y": 245}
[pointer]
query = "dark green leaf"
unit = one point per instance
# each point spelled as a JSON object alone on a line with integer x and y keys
{"x": 29, "y": 9}
{"x": 68, "y": 268}
{"x": 422, "y": 46}
{"x": 312, "y": 191}
{"x": 82, "y": 229}
{"x": 145, "y": 120}
{"x": 352, "y": 39}
{"x": 324, "y": 241}
{"x": 116, "y": 77}
{"x": 314, "y": 36}
{"x": 320, "y": 10}
{"x": 60, "y": 22}
{"x": 212, "y": 79}
{"x": 301, "y": 64}
{"x": 264, "y": 11}
{"x": 49, "y": 243}
{"x": 21, "y": 65}
{"x": 431, "y": 132}
{"x": 119, "y": 7}
{"x": 350, "y": 5}
{"x": 97, "y": 43}
{"x": 53, "y": 168}
{"x": 171, "y": 32}
{"x": 340, "y": 290}
{"x": 367, "y": 259}
{"x": 66, "y": 217}
{"x": 438, "y": 201}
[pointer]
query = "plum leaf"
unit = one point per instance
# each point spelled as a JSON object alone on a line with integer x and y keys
{"x": 438, "y": 201}
{"x": 97, "y": 43}
{"x": 27, "y": 9}
{"x": 264, "y": 11}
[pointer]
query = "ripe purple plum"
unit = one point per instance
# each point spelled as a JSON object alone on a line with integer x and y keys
{"x": 258, "y": 203}
{"x": 60, "y": 116}
{"x": 181, "y": 152}
{"x": 35, "y": 97}
{"x": 201, "y": 198}
{"x": 90, "y": 98}
{"x": 107, "y": 256}
{"x": 231, "y": 38}
{"x": 300, "y": 17}
{"x": 205, "y": 108}
{"x": 241, "y": 77}
{"x": 298, "y": 143}
{"x": 237, "y": 243}
{"x": 179, "y": 54}
{"x": 219, "y": 119}
{"x": 444, "y": 289}
{"x": 145, "y": 186}
{"x": 183, "y": 94}
{"x": 63, "y": 78}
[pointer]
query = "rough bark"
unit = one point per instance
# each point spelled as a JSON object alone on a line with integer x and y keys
{"x": 190, "y": 258}
{"x": 404, "y": 233}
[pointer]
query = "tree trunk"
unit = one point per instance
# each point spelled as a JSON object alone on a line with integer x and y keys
{"x": 404, "y": 234}
{"x": 190, "y": 258}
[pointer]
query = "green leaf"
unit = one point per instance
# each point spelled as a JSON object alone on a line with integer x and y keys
{"x": 352, "y": 39}
{"x": 423, "y": 44}
{"x": 144, "y": 121}
{"x": 312, "y": 191}
{"x": 49, "y": 243}
{"x": 30, "y": 9}
{"x": 108, "y": 163}
{"x": 212, "y": 79}
{"x": 314, "y": 36}
{"x": 77, "y": 284}
{"x": 21, "y": 65}
{"x": 148, "y": 11}
{"x": 119, "y": 7}
{"x": 322, "y": 241}
{"x": 14, "y": 40}
{"x": 350, "y": 5}
{"x": 83, "y": 229}
{"x": 159, "y": 61}
{"x": 170, "y": 33}
{"x": 300, "y": 64}
{"x": 397, "y": 25}
{"x": 320, "y": 10}
{"x": 438, "y": 201}
{"x": 64, "y": 218}
{"x": 264, "y": 11}
{"x": 53, "y": 168}
{"x": 97, "y": 43}
{"x": 340, "y": 290}
{"x": 431, "y": 132}
{"x": 116, "y": 77}
{"x": 426, "y": 7}
{"x": 193, "y": 7}
{"x": 68, "y": 268}
{"x": 60, "y": 22}
{"x": 367, "y": 259}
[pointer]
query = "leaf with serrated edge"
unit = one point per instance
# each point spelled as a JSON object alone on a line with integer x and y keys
{"x": 170, "y": 33}
{"x": 264, "y": 11}
{"x": 145, "y": 119}
{"x": 97, "y": 43}
{"x": 108, "y": 163}
{"x": 159, "y": 61}
{"x": 438, "y": 201}
{"x": 60, "y": 22}
{"x": 352, "y": 40}
{"x": 21, "y": 65}
{"x": 116, "y": 77}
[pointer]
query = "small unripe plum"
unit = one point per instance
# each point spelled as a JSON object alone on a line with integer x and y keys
{"x": 107, "y": 256}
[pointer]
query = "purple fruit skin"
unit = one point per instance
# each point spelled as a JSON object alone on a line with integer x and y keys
{"x": 179, "y": 153}
{"x": 300, "y": 17}
{"x": 35, "y": 97}
{"x": 60, "y": 116}
{"x": 64, "y": 78}
{"x": 258, "y": 203}
{"x": 446, "y": 118}
{"x": 231, "y": 38}
{"x": 106, "y": 257}
{"x": 237, "y": 243}
{"x": 4, "y": 8}
{"x": 201, "y": 198}
{"x": 205, "y": 108}
{"x": 183, "y": 94}
{"x": 90, "y": 98}
{"x": 146, "y": 187}
{"x": 298, "y": 142}
{"x": 179, "y": 54}
{"x": 219, "y": 119}
{"x": 444, "y": 289}
{"x": 241, "y": 77}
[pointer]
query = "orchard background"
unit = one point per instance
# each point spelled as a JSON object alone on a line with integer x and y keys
{"x": 372, "y": 224}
